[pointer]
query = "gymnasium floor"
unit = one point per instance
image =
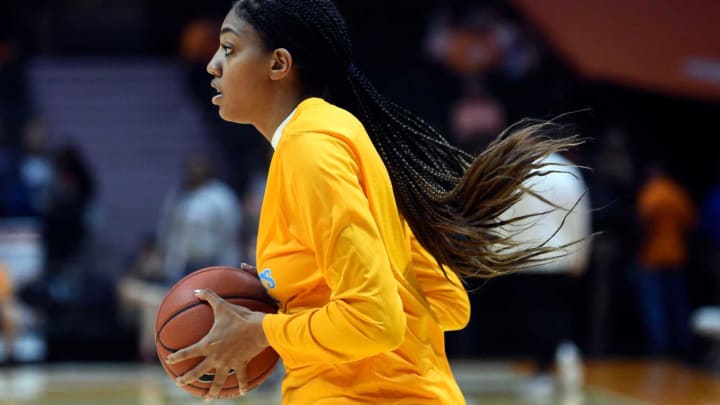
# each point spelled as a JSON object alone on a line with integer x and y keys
{"x": 607, "y": 383}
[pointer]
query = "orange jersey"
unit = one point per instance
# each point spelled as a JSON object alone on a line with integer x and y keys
{"x": 363, "y": 307}
{"x": 667, "y": 213}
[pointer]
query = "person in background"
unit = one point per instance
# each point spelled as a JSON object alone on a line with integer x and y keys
{"x": 199, "y": 222}
{"x": 36, "y": 166}
{"x": 66, "y": 220}
{"x": 666, "y": 215}
{"x": 7, "y": 316}
{"x": 147, "y": 265}
{"x": 612, "y": 188}
{"x": 558, "y": 215}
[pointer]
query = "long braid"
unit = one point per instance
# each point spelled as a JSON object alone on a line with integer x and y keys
{"x": 452, "y": 200}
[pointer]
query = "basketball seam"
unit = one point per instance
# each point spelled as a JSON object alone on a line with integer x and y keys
{"x": 194, "y": 274}
{"x": 203, "y": 271}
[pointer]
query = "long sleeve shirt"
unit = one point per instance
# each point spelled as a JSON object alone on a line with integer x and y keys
{"x": 363, "y": 307}
{"x": 200, "y": 227}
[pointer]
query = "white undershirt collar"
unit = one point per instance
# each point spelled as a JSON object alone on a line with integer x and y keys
{"x": 278, "y": 132}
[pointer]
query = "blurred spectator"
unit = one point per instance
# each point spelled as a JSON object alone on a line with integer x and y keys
{"x": 561, "y": 184}
{"x": 14, "y": 96}
{"x": 477, "y": 117}
{"x": 199, "y": 222}
{"x": 148, "y": 265}
{"x": 465, "y": 40}
{"x": 666, "y": 214}
{"x": 36, "y": 166}
{"x": 500, "y": 63}
{"x": 613, "y": 191}
{"x": 65, "y": 223}
{"x": 7, "y": 314}
{"x": 549, "y": 291}
{"x": 14, "y": 195}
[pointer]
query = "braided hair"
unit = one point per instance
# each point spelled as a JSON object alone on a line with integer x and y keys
{"x": 451, "y": 199}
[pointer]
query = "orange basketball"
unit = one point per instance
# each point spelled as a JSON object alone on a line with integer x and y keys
{"x": 184, "y": 319}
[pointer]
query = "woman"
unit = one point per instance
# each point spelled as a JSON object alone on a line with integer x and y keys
{"x": 364, "y": 201}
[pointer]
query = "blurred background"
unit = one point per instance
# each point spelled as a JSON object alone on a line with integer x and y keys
{"x": 117, "y": 177}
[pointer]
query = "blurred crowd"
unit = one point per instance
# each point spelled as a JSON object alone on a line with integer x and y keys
{"x": 649, "y": 215}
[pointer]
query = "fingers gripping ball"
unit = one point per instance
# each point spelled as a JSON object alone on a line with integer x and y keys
{"x": 183, "y": 320}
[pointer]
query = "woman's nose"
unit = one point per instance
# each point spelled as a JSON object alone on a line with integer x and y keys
{"x": 213, "y": 66}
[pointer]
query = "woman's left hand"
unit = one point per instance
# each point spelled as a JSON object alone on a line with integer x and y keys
{"x": 235, "y": 338}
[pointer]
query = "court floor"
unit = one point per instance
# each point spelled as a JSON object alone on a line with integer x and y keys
{"x": 607, "y": 383}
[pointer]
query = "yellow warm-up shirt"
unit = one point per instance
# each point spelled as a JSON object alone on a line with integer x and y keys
{"x": 363, "y": 307}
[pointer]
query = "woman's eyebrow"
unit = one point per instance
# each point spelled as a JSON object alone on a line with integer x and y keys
{"x": 231, "y": 30}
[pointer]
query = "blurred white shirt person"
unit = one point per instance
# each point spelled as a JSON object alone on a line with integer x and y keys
{"x": 200, "y": 223}
{"x": 549, "y": 290}
{"x": 564, "y": 187}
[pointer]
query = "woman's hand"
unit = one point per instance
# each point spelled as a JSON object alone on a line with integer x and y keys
{"x": 235, "y": 338}
{"x": 249, "y": 269}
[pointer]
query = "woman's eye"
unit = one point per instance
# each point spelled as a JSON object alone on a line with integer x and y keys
{"x": 227, "y": 50}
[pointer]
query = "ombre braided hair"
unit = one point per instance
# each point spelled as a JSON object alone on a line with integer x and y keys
{"x": 451, "y": 200}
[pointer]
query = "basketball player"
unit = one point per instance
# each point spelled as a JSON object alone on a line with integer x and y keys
{"x": 363, "y": 201}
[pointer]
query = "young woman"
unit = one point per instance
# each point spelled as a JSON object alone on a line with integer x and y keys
{"x": 369, "y": 220}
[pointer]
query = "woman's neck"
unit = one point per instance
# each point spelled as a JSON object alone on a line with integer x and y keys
{"x": 278, "y": 110}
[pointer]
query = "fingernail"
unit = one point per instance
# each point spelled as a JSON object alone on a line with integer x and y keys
{"x": 198, "y": 292}
{"x": 178, "y": 382}
{"x": 208, "y": 400}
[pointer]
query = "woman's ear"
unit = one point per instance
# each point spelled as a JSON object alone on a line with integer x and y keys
{"x": 281, "y": 64}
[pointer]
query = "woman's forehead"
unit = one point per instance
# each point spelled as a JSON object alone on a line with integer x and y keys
{"x": 233, "y": 24}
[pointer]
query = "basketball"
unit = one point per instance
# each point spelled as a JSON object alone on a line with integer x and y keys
{"x": 184, "y": 319}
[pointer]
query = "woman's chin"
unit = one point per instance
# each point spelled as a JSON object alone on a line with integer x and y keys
{"x": 223, "y": 115}
{"x": 230, "y": 117}
{"x": 228, "y": 114}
